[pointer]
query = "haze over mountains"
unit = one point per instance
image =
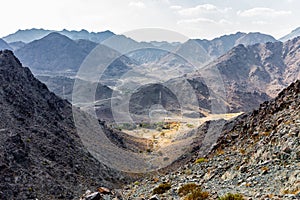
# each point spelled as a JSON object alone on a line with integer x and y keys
{"x": 243, "y": 69}
{"x": 30, "y": 35}
{"x": 221, "y": 45}
{"x": 4, "y": 45}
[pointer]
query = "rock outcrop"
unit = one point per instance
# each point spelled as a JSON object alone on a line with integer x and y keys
{"x": 41, "y": 154}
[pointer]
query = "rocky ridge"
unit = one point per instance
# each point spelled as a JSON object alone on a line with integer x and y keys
{"x": 41, "y": 154}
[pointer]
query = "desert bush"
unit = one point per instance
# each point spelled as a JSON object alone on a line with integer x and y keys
{"x": 201, "y": 160}
{"x": 187, "y": 188}
{"x": 162, "y": 188}
{"x": 190, "y": 125}
{"x": 197, "y": 194}
{"x": 230, "y": 196}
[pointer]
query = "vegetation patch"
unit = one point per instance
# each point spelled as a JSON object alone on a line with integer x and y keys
{"x": 201, "y": 160}
{"x": 230, "y": 196}
{"x": 190, "y": 125}
{"x": 162, "y": 188}
{"x": 197, "y": 194}
{"x": 192, "y": 191}
{"x": 187, "y": 188}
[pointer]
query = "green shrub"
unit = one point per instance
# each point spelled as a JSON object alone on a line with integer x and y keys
{"x": 190, "y": 125}
{"x": 201, "y": 160}
{"x": 230, "y": 196}
{"x": 162, "y": 188}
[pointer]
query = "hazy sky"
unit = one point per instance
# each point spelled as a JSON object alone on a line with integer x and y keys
{"x": 193, "y": 18}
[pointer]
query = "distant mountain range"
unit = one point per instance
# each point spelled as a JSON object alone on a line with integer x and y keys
{"x": 249, "y": 75}
{"x": 70, "y": 53}
{"x": 254, "y": 66}
{"x": 30, "y": 35}
{"x": 221, "y": 45}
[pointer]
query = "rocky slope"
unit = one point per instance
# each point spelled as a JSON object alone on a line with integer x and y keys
{"x": 41, "y": 154}
{"x": 253, "y": 74}
{"x": 256, "y": 155}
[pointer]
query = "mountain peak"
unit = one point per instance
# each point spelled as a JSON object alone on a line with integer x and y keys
{"x": 56, "y": 35}
{"x": 8, "y": 57}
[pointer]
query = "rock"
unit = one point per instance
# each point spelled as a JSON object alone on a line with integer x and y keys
{"x": 287, "y": 150}
{"x": 104, "y": 190}
{"x": 154, "y": 197}
{"x": 88, "y": 195}
{"x": 243, "y": 169}
{"x": 93, "y": 196}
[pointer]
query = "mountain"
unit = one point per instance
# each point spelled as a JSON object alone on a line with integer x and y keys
{"x": 54, "y": 52}
{"x": 4, "y": 45}
{"x": 17, "y": 45}
{"x": 142, "y": 102}
{"x": 256, "y": 156}
{"x": 27, "y": 35}
{"x": 221, "y": 45}
{"x": 142, "y": 52}
{"x": 86, "y": 45}
{"x": 97, "y": 37}
{"x": 63, "y": 87}
{"x": 41, "y": 153}
{"x": 194, "y": 54}
{"x": 293, "y": 34}
{"x": 255, "y": 73}
{"x": 200, "y": 51}
{"x": 30, "y": 35}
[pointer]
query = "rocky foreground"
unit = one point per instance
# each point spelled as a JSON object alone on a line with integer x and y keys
{"x": 257, "y": 156}
{"x": 41, "y": 154}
